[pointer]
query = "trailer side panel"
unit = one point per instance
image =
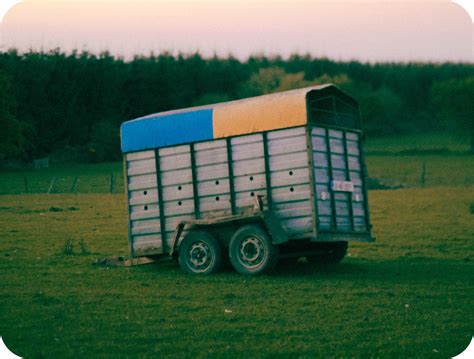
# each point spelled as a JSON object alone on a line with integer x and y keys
{"x": 144, "y": 211}
{"x": 192, "y": 181}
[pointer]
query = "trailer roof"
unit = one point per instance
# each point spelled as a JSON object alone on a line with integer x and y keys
{"x": 250, "y": 115}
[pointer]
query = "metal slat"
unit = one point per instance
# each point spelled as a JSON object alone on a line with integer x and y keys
{"x": 127, "y": 191}
{"x": 289, "y": 178}
{"x": 230, "y": 165}
{"x": 268, "y": 179}
{"x": 143, "y": 244}
{"x": 164, "y": 245}
{"x": 348, "y": 178}
{"x": 333, "y": 204}
{"x": 139, "y": 155}
{"x": 364, "y": 184}
{"x": 195, "y": 183}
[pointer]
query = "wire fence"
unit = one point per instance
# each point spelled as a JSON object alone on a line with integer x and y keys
{"x": 109, "y": 183}
{"x": 385, "y": 172}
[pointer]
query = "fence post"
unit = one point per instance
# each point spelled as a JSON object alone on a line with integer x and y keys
{"x": 423, "y": 174}
{"x": 112, "y": 183}
{"x": 51, "y": 185}
{"x": 73, "y": 187}
{"x": 26, "y": 184}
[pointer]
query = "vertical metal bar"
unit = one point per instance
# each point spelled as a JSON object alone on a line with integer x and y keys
{"x": 348, "y": 178}
{"x": 161, "y": 207}
{"x": 197, "y": 212}
{"x": 331, "y": 178}
{"x": 364, "y": 175}
{"x": 268, "y": 178}
{"x": 312, "y": 178}
{"x": 310, "y": 122}
{"x": 230, "y": 165}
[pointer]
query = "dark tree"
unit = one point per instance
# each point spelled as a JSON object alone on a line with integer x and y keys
{"x": 13, "y": 142}
{"x": 454, "y": 102}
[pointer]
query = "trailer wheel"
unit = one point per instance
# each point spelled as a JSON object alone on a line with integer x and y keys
{"x": 251, "y": 251}
{"x": 332, "y": 253}
{"x": 200, "y": 253}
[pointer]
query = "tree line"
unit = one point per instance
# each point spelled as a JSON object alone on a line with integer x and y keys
{"x": 70, "y": 106}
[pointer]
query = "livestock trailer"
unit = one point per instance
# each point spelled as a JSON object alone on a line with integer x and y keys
{"x": 252, "y": 180}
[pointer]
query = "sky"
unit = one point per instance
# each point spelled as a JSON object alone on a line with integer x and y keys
{"x": 373, "y": 31}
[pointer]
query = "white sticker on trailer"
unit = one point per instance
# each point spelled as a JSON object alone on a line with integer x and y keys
{"x": 342, "y": 186}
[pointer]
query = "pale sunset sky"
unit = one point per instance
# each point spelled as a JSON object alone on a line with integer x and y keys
{"x": 372, "y": 31}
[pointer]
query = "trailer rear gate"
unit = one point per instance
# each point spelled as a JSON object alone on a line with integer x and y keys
{"x": 336, "y": 157}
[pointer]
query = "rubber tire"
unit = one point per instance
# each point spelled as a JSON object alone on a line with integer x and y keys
{"x": 212, "y": 244}
{"x": 272, "y": 251}
{"x": 334, "y": 253}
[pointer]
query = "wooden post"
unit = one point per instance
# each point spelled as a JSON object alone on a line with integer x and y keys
{"x": 112, "y": 180}
{"x": 51, "y": 185}
{"x": 26, "y": 184}
{"x": 423, "y": 174}
{"x": 74, "y": 182}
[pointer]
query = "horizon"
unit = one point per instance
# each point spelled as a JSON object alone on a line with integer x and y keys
{"x": 206, "y": 57}
{"x": 374, "y": 32}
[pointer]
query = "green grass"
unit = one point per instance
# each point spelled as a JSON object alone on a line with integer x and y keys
{"x": 436, "y": 141}
{"x": 409, "y": 294}
{"x": 406, "y": 171}
{"x": 92, "y": 178}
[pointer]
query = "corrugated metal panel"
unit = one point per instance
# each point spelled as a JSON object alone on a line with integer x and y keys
{"x": 178, "y": 192}
{"x": 143, "y": 202}
{"x": 336, "y": 156}
{"x": 146, "y": 196}
{"x": 212, "y": 173}
{"x": 288, "y": 181}
{"x": 289, "y": 177}
{"x": 141, "y": 167}
{"x": 147, "y": 244}
{"x": 249, "y": 170}
{"x": 142, "y": 212}
{"x": 284, "y": 195}
{"x": 138, "y": 182}
{"x": 140, "y": 155}
{"x": 146, "y": 226}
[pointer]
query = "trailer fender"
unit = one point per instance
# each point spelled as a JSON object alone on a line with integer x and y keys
{"x": 275, "y": 229}
{"x": 266, "y": 218}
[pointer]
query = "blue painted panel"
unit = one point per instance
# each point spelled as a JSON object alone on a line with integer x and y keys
{"x": 167, "y": 130}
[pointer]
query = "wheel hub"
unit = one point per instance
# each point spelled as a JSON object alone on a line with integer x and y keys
{"x": 200, "y": 255}
{"x": 251, "y": 251}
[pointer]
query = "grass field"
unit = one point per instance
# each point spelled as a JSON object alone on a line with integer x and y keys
{"x": 409, "y": 294}
{"x": 91, "y": 178}
{"x": 416, "y": 143}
